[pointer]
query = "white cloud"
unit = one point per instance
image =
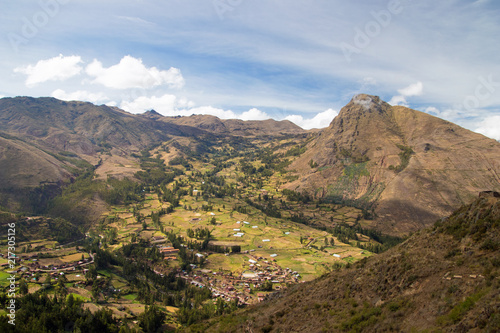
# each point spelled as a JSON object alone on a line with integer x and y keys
{"x": 165, "y": 105}
{"x": 170, "y": 105}
{"x": 490, "y": 127}
{"x": 321, "y": 120}
{"x": 185, "y": 103}
{"x": 130, "y": 72}
{"x": 451, "y": 114}
{"x": 398, "y": 100}
{"x": 432, "y": 110}
{"x": 135, "y": 20}
{"x": 223, "y": 114}
{"x": 80, "y": 95}
{"x": 480, "y": 2}
{"x": 58, "y": 68}
{"x": 369, "y": 81}
{"x": 254, "y": 114}
{"x": 414, "y": 89}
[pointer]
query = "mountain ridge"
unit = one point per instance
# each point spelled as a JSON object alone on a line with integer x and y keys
{"x": 402, "y": 167}
{"x": 237, "y": 127}
{"x": 50, "y": 141}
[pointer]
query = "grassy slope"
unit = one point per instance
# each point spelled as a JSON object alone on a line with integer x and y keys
{"x": 441, "y": 279}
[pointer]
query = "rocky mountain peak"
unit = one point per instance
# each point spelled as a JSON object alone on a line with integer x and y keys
{"x": 152, "y": 114}
{"x": 409, "y": 167}
{"x": 367, "y": 101}
{"x": 361, "y": 106}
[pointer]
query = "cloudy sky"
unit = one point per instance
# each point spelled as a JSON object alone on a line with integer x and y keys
{"x": 257, "y": 59}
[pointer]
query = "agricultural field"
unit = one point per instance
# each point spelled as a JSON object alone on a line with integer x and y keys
{"x": 215, "y": 224}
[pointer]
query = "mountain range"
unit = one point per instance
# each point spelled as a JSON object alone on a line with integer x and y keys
{"x": 403, "y": 167}
{"x": 375, "y": 172}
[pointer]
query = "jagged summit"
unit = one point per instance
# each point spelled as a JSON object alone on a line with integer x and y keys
{"x": 361, "y": 107}
{"x": 368, "y": 102}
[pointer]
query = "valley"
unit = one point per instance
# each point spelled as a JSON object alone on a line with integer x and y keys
{"x": 144, "y": 222}
{"x": 215, "y": 220}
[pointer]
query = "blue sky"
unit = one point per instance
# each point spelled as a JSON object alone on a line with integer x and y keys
{"x": 287, "y": 59}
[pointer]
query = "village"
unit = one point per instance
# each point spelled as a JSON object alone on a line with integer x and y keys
{"x": 261, "y": 255}
{"x": 259, "y": 275}
{"x": 31, "y": 266}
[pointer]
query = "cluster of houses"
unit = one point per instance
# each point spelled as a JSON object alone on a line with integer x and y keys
{"x": 168, "y": 252}
{"x": 238, "y": 231}
{"x": 29, "y": 265}
{"x": 243, "y": 287}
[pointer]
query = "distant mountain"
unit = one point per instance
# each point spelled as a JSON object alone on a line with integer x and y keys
{"x": 442, "y": 279}
{"x": 237, "y": 127}
{"x": 81, "y": 127}
{"x": 406, "y": 166}
{"x": 45, "y": 141}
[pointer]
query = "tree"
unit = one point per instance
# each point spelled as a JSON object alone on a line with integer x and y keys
{"x": 61, "y": 288}
{"x": 332, "y": 242}
{"x": 23, "y": 287}
{"x": 152, "y": 319}
{"x": 95, "y": 290}
{"x": 267, "y": 286}
{"x": 112, "y": 235}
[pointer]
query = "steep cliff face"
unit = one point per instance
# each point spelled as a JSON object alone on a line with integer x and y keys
{"x": 407, "y": 166}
